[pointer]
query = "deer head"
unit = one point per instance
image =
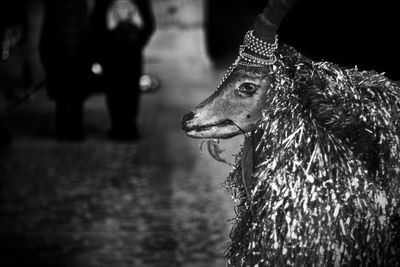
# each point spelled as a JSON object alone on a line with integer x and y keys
{"x": 237, "y": 104}
{"x": 233, "y": 108}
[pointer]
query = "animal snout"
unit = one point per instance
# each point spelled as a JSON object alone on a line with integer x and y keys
{"x": 186, "y": 118}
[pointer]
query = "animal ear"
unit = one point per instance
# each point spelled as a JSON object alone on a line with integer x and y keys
{"x": 312, "y": 82}
{"x": 306, "y": 84}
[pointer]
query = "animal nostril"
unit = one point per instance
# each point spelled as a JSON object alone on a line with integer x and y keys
{"x": 187, "y": 117}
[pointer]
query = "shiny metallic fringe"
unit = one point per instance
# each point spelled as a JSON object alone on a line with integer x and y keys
{"x": 325, "y": 190}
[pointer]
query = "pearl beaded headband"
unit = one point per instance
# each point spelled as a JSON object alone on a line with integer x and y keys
{"x": 265, "y": 50}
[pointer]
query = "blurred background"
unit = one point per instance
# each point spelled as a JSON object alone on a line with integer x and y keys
{"x": 154, "y": 201}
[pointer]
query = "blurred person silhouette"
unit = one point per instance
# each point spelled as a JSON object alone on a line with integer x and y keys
{"x": 120, "y": 29}
{"x": 63, "y": 58}
{"x": 14, "y": 69}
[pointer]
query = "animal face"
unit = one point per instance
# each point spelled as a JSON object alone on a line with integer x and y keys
{"x": 234, "y": 108}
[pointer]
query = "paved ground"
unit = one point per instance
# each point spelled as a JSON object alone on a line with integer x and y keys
{"x": 98, "y": 203}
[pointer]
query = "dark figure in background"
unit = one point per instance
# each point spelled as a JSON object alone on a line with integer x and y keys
{"x": 62, "y": 55}
{"x": 14, "y": 69}
{"x": 120, "y": 31}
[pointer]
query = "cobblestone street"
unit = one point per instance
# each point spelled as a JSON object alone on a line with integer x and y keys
{"x": 153, "y": 203}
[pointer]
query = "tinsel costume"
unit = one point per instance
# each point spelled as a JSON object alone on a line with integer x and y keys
{"x": 325, "y": 185}
{"x": 317, "y": 180}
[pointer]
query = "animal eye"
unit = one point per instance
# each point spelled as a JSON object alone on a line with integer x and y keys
{"x": 247, "y": 89}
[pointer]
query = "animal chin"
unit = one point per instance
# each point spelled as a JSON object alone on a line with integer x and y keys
{"x": 225, "y": 129}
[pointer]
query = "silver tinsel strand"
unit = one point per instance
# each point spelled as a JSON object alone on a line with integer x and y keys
{"x": 325, "y": 187}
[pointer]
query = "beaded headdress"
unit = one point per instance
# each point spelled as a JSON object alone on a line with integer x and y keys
{"x": 260, "y": 43}
{"x": 255, "y": 52}
{"x": 258, "y": 49}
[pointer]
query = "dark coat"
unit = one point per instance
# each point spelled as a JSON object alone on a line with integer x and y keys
{"x": 61, "y": 47}
{"x": 120, "y": 54}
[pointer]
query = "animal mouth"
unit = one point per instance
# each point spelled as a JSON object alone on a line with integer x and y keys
{"x": 209, "y": 126}
{"x": 223, "y": 129}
